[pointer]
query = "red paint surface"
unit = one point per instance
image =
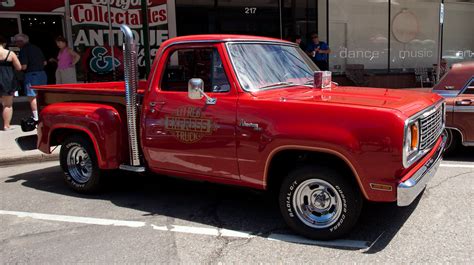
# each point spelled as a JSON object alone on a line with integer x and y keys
{"x": 362, "y": 126}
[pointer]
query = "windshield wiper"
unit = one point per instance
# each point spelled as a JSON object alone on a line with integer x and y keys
{"x": 277, "y": 85}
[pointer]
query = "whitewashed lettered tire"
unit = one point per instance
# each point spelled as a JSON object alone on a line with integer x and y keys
{"x": 79, "y": 163}
{"x": 320, "y": 203}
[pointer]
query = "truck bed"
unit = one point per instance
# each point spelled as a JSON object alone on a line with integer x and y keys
{"x": 108, "y": 88}
{"x": 110, "y": 92}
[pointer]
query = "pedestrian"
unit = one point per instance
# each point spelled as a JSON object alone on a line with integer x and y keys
{"x": 67, "y": 59}
{"x": 298, "y": 40}
{"x": 319, "y": 52}
{"x": 32, "y": 62}
{"x": 8, "y": 84}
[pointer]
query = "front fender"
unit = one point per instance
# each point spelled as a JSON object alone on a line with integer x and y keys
{"x": 102, "y": 123}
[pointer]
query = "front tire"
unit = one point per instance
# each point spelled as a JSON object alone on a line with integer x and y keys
{"x": 452, "y": 141}
{"x": 320, "y": 203}
{"x": 79, "y": 164}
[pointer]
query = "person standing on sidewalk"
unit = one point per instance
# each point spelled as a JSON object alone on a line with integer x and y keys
{"x": 319, "y": 52}
{"x": 67, "y": 58}
{"x": 8, "y": 84}
{"x": 32, "y": 62}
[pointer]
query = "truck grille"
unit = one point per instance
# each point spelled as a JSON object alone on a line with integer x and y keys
{"x": 431, "y": 128}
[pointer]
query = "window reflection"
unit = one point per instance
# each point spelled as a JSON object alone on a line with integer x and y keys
{"x": 458, "y": 37}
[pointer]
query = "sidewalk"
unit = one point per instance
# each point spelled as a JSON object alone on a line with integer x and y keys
{"x": 10, "y": 153}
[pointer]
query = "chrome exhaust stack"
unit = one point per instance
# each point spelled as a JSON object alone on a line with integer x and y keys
{"x": 131, "y": 87}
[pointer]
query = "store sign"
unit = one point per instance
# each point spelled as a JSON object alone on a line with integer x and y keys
{"x": 91, "y": 34}
{"x": 99, "y": 15}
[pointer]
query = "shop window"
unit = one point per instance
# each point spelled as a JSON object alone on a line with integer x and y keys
{"x": 414, "y": 35}
{"x": 204, "y": 63}
{"x": 458, "y": 37}
{"x": 358, "y": 38}
{"x": 257, "y": 17}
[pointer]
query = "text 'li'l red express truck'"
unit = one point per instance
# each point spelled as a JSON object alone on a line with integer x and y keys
{"x": 244, "y": 111}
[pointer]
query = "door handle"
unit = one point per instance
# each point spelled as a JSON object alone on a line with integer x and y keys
{"x": 465, "y": 102}
{"x": 155, "y": 103}
{"x": 254, "y": 126}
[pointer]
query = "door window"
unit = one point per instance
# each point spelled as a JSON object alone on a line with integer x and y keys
{"x": 204, "y": 63}
{"x": 470, "y": 88}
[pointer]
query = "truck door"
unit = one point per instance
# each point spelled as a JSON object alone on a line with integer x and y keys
{"x": 463, "y": 117}
{"x": 185, "y": 136}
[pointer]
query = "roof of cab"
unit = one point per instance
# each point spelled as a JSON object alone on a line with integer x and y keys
{"x": 221, "y": 38}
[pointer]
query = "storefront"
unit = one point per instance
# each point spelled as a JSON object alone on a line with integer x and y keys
{"x": 383, "y": 43}
{"x": 387, "y": 43}
{"x": 93, "y": 30}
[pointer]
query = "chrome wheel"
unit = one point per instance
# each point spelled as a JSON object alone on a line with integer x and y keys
{"x": 317, "y": 203}
{"x": 79, "y": 164}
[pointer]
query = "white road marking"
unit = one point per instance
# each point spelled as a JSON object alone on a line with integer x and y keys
{"x": 457, "y": 165}
{"x": 74, "y": 219}
{"x": 233, "y": 233}
{"x": 214, "y": 231}
{"x": 209, "y": 231}
{"x": 195, "y": 230}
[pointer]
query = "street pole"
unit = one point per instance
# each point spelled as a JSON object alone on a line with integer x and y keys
{"x": 146, "y": 37}
{"x": 440, "y": 40}
{"x": 111, "y": 44}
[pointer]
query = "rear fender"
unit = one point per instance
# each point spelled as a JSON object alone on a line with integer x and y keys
{"x": 101, "y": 123}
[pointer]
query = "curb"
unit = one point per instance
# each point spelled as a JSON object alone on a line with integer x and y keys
{"x": 33, "y": 158}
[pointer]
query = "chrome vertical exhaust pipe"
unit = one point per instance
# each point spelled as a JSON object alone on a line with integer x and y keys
{"x": 131, "y": 87}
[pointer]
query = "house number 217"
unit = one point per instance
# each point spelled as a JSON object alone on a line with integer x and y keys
{"x": 250, "y": 10}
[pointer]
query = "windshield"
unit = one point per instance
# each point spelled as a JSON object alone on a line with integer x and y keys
{"x": 266, "y": 66}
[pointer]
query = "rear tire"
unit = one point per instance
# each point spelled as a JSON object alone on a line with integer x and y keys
{"x": 79, "y": 162}
{"x": 320, "y": 203}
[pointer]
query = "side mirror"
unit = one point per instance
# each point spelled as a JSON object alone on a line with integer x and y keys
{"x": 196, "y": 91}
{"x": 195, "y": 87}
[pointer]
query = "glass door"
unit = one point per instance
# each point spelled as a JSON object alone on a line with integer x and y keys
{"x": 10, "y": 27}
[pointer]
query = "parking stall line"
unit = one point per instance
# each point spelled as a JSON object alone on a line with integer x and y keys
{"x": 74, "y": 219}
{"x": 207, "y": 231}
{"x": 456, "y": 165}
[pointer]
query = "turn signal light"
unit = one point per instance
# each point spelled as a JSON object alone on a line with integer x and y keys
{"x": 414, "y": 136}
{"x": 383, "y": 187}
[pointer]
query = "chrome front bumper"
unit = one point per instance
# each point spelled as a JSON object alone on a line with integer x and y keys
{"x": 408, "y": 190}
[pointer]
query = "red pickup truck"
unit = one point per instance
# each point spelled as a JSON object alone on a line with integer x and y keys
{"x": 244, "y": 111}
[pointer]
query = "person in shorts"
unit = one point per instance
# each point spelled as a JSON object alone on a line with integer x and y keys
{"x": 32, "y": 63}
{"x": 8, "y": 84}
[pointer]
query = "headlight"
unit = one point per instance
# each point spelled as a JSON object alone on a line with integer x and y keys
{"x": 411, "y": 145}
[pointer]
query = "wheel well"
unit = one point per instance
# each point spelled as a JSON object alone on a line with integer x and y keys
{"x": 59, "y": 135}
{"x": 457, "y": 135}
{"x": 285, "y": 161}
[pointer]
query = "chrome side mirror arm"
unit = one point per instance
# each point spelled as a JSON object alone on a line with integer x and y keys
{"x": 196, "y": 86}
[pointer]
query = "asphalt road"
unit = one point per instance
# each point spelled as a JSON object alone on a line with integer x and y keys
{"x": 144, "y": 219}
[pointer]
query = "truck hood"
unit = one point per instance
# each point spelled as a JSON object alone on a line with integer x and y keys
{"x": 408, "y": 102}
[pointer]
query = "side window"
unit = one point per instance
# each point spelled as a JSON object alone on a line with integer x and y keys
{"x": 470, "y": 88}
{"x": 204, "y": 63}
